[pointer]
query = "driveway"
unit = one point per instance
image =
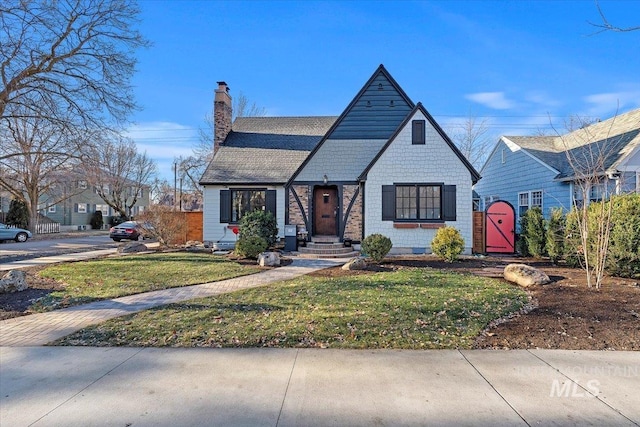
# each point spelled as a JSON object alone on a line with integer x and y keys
{"x": 52, "y": 245}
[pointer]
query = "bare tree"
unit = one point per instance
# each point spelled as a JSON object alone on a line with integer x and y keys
{"x": 472, "y": 138}
{"x": 242, "y": 107}
{"x": 68, "y": 61}
{"x": 192, "y": 167}
{"x": 588, "y": 151}
{"x": 605, "y": 25}
{"x": 38, "y": 162}
{"x": 119, "y": 174}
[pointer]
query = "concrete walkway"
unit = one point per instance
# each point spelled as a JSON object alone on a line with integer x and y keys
{"x": 77, "y": 386}
{"x": 42, "y": 328}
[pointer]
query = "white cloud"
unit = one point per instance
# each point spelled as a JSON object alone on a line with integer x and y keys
{"x": 604, "y": 105}
{"x": 495, "y": 100}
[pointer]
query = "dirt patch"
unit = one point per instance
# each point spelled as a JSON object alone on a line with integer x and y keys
{"x": 17, "y": 303}
{"x": 566, "y": 313}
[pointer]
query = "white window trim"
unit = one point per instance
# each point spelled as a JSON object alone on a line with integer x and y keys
{"x": 51, "y": 209}
{"x": 82, "y": 208}
{"x": 529, "y": 204}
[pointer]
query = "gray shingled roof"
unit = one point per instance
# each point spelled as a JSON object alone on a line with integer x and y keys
{"x": 612, "y": 140}
{"x": 265, "y": 149}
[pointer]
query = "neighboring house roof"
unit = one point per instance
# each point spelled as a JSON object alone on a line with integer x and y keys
{"x": 265, "y": 149}
{"x": 611, "y": 142}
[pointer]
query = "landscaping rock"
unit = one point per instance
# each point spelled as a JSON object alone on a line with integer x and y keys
{"x": 13, "y": 281}
{"x": 525, "y": 275}
{"x": 269, "y": 259}
{"x": 132, "y": 247}
{"x": 355, "y": 264}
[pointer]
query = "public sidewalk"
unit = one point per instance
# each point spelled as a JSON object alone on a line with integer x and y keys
{"x": 42, "y": 328}
{"x": 80, "y": 386}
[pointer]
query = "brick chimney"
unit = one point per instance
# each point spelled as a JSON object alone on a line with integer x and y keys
{"x": 222, "y": 112}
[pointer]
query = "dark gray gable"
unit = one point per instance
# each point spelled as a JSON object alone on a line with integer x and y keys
{"x": 373, "y": 120}
{"x": 375, "y": 112}
{"x": 475, "y": 176}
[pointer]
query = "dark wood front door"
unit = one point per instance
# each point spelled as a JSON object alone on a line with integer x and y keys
{"x": 325, "y": 208}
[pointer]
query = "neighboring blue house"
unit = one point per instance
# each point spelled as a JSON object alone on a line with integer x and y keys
{"x": 383, "y": 166}
{"x": 529, "y": 171}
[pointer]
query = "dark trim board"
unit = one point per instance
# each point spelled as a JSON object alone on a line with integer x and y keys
{"x": 320, "y": 183}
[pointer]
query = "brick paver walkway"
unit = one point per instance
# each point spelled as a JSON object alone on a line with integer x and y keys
{"x": 42, "y": 328}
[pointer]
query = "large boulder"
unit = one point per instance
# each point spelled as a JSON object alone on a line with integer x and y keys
{"x": 132, "y": 247}
{"x": 13, "y": 281}
{"x": 355, "y": 264}
{"x": 525, "y": 275}
{"x": 269, "y": 259}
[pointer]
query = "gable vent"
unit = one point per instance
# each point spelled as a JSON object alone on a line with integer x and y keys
{"x": 380, "y": 86}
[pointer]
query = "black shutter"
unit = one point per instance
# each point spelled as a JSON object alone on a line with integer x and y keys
{"x": 75, "y": 207}
{"x": 449, "y": 203}
{"x": 417, "y": 132}
{"x": 225, "y": 205}
{"x": 270, "y": 202}
{"x": 388, "y": 202}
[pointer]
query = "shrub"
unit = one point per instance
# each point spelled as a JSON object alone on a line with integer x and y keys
{"x": 572, "y": 244}
{"x": 376, "y": 246}
{"x": 18, "y": 214}
{"x": 251, "y": 246}
{"x": 624, "y": 247}
{"x": 555, "y": 235}
{"x": 96, "y": 220}
{"x": 163, "y": 223}
{"x": 535, "y": 234}
{"x": 260, "y": 223}
{"x": 447, "y": 244}
{"x": 521, "y": 244}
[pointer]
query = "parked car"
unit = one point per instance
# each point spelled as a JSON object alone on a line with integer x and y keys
{"x": 128, "y": 230}
{"x": 17, "y": 234}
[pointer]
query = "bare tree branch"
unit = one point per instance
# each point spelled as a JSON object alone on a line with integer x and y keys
{"x": 119, "y": 174}
{"x": 68, "y": 61}
{"x": 605, "y": 25}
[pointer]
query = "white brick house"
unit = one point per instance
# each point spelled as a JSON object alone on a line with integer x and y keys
{"x": 383, "y": 166}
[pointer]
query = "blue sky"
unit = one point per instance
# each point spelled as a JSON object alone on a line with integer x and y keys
{"x": 516, "y": 63}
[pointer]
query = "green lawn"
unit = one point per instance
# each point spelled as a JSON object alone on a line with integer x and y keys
{"x": 119, "y": 276}
{"x": 412, "y": 308}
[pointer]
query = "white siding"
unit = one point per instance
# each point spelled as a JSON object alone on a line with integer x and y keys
{"x": 214, "y": 230}
{"x": 403, "y": 162}
{"x": 341, "y": 160}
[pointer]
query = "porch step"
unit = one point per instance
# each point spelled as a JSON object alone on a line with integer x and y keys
{"x": 325, "y": 239}
{"x": 350, "y": 254}
{"x": 326, "y": 250}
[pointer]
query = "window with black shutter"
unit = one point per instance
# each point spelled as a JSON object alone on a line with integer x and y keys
{"x": 234, "y": 203}
{"x": 417, "y": 132}
{"x": 419, "y": 202}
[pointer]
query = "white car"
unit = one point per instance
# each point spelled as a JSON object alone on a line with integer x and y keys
{"x": 17, "y": 234}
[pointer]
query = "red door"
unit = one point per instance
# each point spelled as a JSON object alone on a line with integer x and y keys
{"x": 325, "y": 208}
{"x": 500, "y": 228}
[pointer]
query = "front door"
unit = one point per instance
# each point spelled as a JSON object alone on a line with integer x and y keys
{"x": 325, "y": 211}
{"x": 500, "y": 228}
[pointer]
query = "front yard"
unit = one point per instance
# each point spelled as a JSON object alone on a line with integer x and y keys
{"x": 67, "y": 284}
{"x": 414, "y": 308}
{"x": 407, "y": 302}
